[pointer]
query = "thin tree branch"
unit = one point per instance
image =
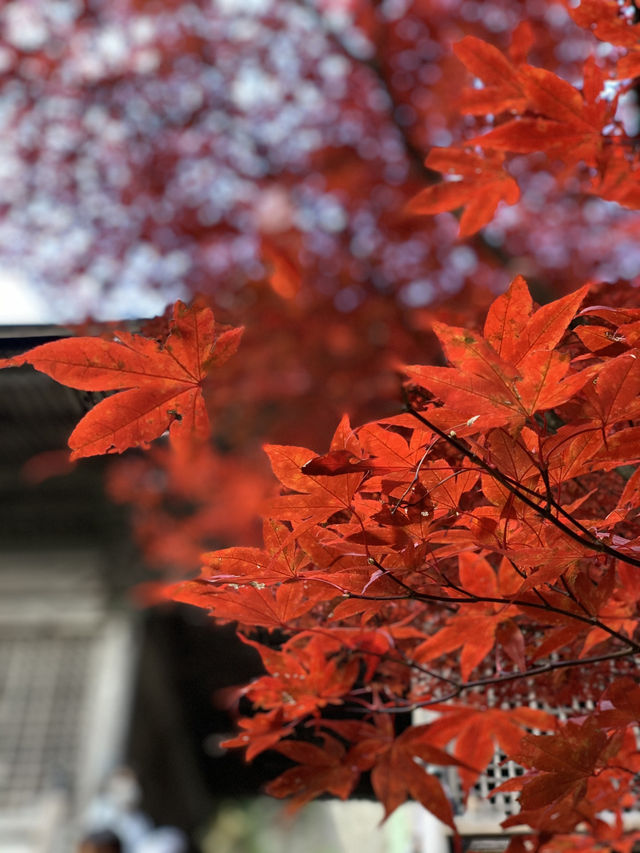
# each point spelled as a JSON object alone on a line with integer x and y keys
{"x": 531, "y": 673}
{"x": 588, "y": 540}
{"x": 511, "y": 676}
{"x": 593, "y": 621}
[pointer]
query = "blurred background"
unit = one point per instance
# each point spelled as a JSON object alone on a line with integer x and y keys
{"x": 260, "y": 153}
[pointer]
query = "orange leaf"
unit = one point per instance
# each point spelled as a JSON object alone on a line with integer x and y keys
{"x": 480, "y": 184}
{"x": 503, "y": 90}
{"x": 525, "y": 135}
{"x": 317, "y": 496}
{"x": 396, "y": 774}
{"x": 483, "y": 386}
{"x": 554, "y": 98}
{"x": 507, "y": 318}
{"x": 477, "y": 732}
{"x": 163, "y": 383}
{"x": 319, "y": 771}
{"x": 249, "y": 604}
{"x": 604, "y": 20}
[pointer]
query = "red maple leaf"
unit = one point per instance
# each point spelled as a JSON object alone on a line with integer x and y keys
{"x": 562, "y": 766}
{"x": 320, "y": 770}
{"x": 398, "y": 770}
{"x": 514, "y": 369}
{"x": 477, "y": 628}
{"x": 312, "y": 497}
{"x": 477, "y": 183}
{"x": 160, "y": 384}
{"x": 477, "y": 732}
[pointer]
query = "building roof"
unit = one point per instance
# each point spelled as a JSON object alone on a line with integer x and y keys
{"x": 37, "y": 416}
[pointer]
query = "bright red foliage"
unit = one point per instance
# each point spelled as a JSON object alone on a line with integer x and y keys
{"x": 479, "y": 547}
{"x": 163, "y": 381}
{"x": 432, "y": 555}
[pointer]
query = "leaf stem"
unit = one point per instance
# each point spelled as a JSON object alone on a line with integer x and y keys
{"x": 520, "y": 491}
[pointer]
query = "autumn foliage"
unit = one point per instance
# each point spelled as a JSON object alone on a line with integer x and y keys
{"x": 474, "y": 552}
{"x": 482, "y": 539}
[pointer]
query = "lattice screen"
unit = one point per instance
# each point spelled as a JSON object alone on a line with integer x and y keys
{"x": 43, "y": 681}
{"x": 65, "y": 671}
{"x": 500, "y": 770}
{"x": 502, "y": 804}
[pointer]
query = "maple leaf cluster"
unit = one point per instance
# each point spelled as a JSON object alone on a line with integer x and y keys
{"x": 326, "y": 240}
{"x": 486, "y": 538}
{"x": 432, "y": 555}
{"x": 534, "y": 110}
{"x": 477, "y": 548}
{"x": 159, "y": 165}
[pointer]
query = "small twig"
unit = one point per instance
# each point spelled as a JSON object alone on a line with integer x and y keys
{"x": 415, "y": 479}
{"x": 511, "y": 676}
{"x": 593, "y": 621}
{"x": 520, "y": 491}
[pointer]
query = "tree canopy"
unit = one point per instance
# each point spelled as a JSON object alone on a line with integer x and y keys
{"x": 365, "y": 188}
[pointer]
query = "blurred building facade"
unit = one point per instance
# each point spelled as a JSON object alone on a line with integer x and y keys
{"x": 67, "y": 647}
{"x": 89, "y": 682}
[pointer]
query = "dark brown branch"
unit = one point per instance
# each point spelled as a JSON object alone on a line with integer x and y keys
{"x": 593, "y": 621}
{"x": 529, "y": 673}
{"x": 523, "y": 492}
{"x": 510, "y": 676}
{"x": 588, "y": 619}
